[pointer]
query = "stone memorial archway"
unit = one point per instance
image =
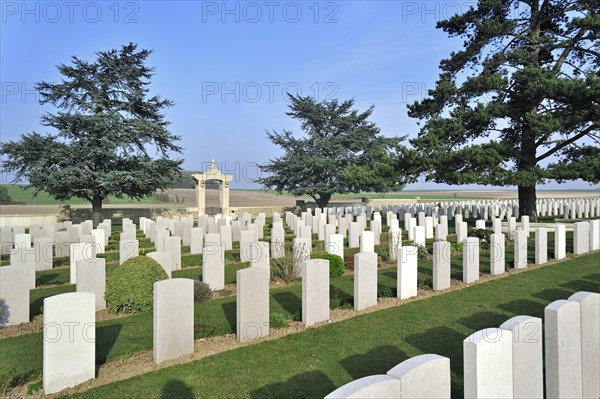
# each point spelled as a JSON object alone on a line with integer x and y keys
{"x": 212, "y": 174}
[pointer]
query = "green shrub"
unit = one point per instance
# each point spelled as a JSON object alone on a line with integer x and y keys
{"x": 484, "y": 236}
{"x": 278, "y": 320}
{"x": 131, "y": 286}
{"x": 202, "y": 291}
{"x": 336, "y": 263}
{"x": 384, "y": 292}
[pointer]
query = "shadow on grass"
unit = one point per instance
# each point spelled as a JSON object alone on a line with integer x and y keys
{"x": 106, "y": 336}
{"x": 376, "y": 361}
{"x": 176, "y": 389}
{"x": 481, "y": 320}
{"x": 594, "y": 278}
{"x": 523, "y": 307}
{"x": 581, "y": 285}
{"x": 230, "y": 311}
{"x": 552, "y": 294}
{"x": 47, "y": 278}
{"x": 447, "y": 342}
{"x": 312, "y": 384}
{"x": 288, "y": 301}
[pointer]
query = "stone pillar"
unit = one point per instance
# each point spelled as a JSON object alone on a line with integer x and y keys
{"x": 224, "y": 198}
{"x": 201, "y": 197}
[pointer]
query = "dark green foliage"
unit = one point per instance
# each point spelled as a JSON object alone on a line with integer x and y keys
{"x": 484, "y": 236}
{"x": 341, "y": 152}
{"x": 422, "y": 253}
{"x": 336, "y": 263}
{"x": 202, "y": 291}
{"x": 105, "y": 131}
{"x": 131, "y": 286}
{"x": 278, "y": 320}
{"x": 5, "y": 198}
{"x": 384, "y": 292}
{"x": 518, "y": 105}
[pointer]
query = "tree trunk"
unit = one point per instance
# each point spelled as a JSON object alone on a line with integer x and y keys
{"x": 97, "y": 210}
{"x": 527, "y": 199}
{"x": 323, "y": 200}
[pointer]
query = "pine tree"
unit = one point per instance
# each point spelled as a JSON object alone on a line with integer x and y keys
{"x": 106, "y": 130}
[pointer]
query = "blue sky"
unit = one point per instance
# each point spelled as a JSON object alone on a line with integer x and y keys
{"x": 227, "y": 65}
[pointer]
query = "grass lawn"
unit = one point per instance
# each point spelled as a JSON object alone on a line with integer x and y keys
{"x": 17, "y": 194}
{"x": 317, "y": 361}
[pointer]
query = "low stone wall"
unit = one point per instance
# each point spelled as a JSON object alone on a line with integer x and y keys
{"x": 383, "y": 202}
{"x": 27, "y": 220}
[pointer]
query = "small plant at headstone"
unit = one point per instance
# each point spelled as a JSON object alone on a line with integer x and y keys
{"x": 288, "y": 267}
{"x": 350, "y": 262}
{"x": 336, "y": 263}
{"x": 384, "y": 292}
{"x": 484, "y": 236}
{"x": 425, "y": 284}
{"x": 130, "y": 288}
{"x": 204, "y": 326}
{"x": 36, "y": 386}
{"x": 456, "y": 248}
{"x": 202, "y": 291}
{"x": 335, "y": 301}
{"x": 422, "y": 253}
{"x": 6, "y": 379}
{"x": 297, "y": 315}
{"x": 278, "y": 320}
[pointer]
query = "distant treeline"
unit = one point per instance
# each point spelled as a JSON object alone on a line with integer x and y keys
{"x": 185, "y": 181}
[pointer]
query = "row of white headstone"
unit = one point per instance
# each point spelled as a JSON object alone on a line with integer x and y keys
{"x": 507, "y": 362}
{"x": 574, "y": 208}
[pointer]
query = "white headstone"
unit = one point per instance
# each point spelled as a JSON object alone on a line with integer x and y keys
{"x": 128, "y": 249}
{"x": 353, "y": 235}
{"x": 419, "y": 236}
{"x": 520, "y": 249}
{"x": 441, "y": 265}
{"x": 14, "y": 295}
{"x": 488, "y": 364}
{"x": 470, "y": 260}
{"x": 424, "y": 376}
{"x": 252, "y": 303}
{"x": 196, "y": 240}
{"x": 589, "y": 303}
{"x": 334, "y": 244}
{"x": 367, "y": 241}
{"x": 69, "y": 355}
{"x": 173, "y": 246}
{"x": 365, "y": 280}
{"x": 259, "y": 254}
{"x": 407, "y": 272}
{"x": 79, "y": 251}
{"x": 173, "y": 332}
{"x": 374, "y": 386}
{"x": 528, "y": 364}
{"x": 562, "y": 337}
{"x": 497, "y": 254}
{"x": 213, "y": 263}
{"x": 541, "y": 245}
{"x": 91, "y": 277}
{"x": 581, "y": 238}
{"x": 315, "y": 291}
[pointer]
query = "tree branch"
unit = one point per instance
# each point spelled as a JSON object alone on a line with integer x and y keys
{"x": 566, "y": 143}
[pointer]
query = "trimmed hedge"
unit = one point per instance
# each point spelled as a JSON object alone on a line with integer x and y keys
{"x": 336, "y": 263}
{"x": 130, "y": 288}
